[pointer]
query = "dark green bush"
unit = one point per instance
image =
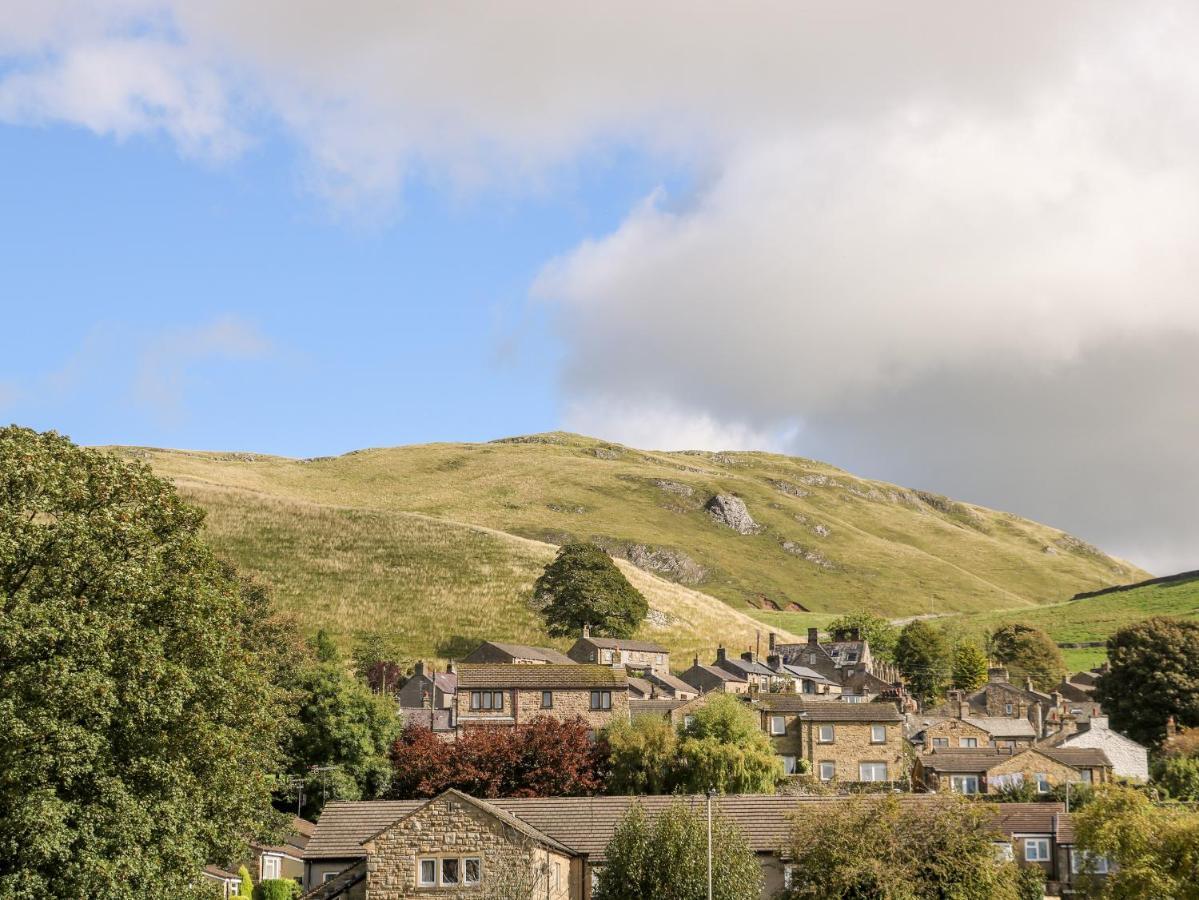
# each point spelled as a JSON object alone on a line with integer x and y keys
{"x": 276, "y": 889}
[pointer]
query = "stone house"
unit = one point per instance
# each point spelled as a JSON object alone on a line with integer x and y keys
{"x": 668, "y": 685}
{"x": 379, "y": 850}
{"x": 1128, "y": 758}
{"x": 705, "y": 678}
{"x": 846, "y": 662}
{"x": 636, "y": 656}
{"x": 516, "y": 654}
{"x": 1042, "y": 835}
{"x": 283, "y": 860}
{"x": 937, "y": 733}
{"x": 991, "y": 769}
{"x": 754, "y": 673}
{"x": 843, "y": 742}
{"x": 502, "y": 694}
{"x": 428, "y": 688}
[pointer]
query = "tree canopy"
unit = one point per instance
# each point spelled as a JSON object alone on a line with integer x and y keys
{"x": 878, "y": 847}
{"x": 642, "y": 755}
{"x": 881, "y": 634}
{"x": 666, "y": 858}
{"x": 724, "y": 748}
{"x": 969, "y": 667}
{"x": 1027, "y": 651}
{"x": 922, "y": 654}
{"x": 139, "y": 676}
{"x": 1154, "y": 675}
{"x": 582, "y": 586}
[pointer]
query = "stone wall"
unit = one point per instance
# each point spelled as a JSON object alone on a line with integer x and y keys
{"x": 571, "y": 703}
{"x": 852, "y": 746}
{"x": 449, "y": 827}
{"x": 1129, "y": 759}
{"x": 954, "y": 730}
{"x": 1029, "y": 764}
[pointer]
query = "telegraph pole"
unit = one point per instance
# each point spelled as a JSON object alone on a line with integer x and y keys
{"x": 711, "y": 791}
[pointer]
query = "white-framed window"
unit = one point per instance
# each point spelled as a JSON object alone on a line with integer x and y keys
{"x": 1007, "y": 709}
{"x": 547, "y": 699}
{"x": 811, "y": 659}
{"x": 606, "y": 656}
{"x": 688, "y": 721}
{"x": 963, "y": 784}
{"x": 878, "y": 734}
{"x": 1003, "y": 852}
{"x": 969, "y": 742}
{"x": 1042, "y": 783}
{"x": 941, "y": 742}
{"x": 1085, "y": 775}
{"x": 778, "y": 725}
{"x": 790, "y": 870}
{"x": 828, "y": 771}
{"x": 1084, "y": 861}
{"x": 788, "y": 763}
{"x": 472, "y": 870}
{"x": 601, "y": 699}
{"x": 1036, "y": 849}
{"x": 426, "y": 873}
{"x": 825, "y": 734}
{"x": 853, "y": 698}
{"x": 872, "y": 771}
{"x": 270, "y": 867}
{"x": 451, "y": 871}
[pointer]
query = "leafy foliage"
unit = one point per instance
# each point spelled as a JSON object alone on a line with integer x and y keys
{"x": 375, "y": 664}
{"x": 582, "y": 586}
{"x": 1030, "y": 883}
{"x": 1178, "y": 777}
{"x": 1027, "y": 651}
{"x": 1154, "y": 675}
{"x": 133, "y": 665}
{"x": 245, "y": 887}
{"x": 875, "y": 847}
{"x": 339, "y": 723}
{"x": 667, "y": 858}
{"x": 724, "y": 748}
{"x": 922, "y": 655}
{"x": 548, "y": 757}
{"x": 969, "y": 667}
{"x": 1155, "y": 848}
{"x": 642, "y": 754}
{"x": 881, "y": 634}
{"x": 277, "y": 889}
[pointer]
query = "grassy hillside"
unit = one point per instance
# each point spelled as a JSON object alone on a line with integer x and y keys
{"x": 433, "y": 588}
{"x": 1096, "y": 618}
{"x": 828, "y": 541}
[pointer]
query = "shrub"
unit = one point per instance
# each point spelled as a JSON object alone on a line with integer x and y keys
{"x": 1030, "y": 883}
{"x": 277, "y": 889}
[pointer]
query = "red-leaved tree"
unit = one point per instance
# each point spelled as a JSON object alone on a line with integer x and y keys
{"x": 545, "y": 758}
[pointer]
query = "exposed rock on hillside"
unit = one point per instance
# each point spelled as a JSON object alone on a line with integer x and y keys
{"x": 731, "y": 512}
{"x": 673, "y": 564}
{"x": 813, "y": 556}
{"x": 786, "y": 487}
{"x": 674, "y": 487}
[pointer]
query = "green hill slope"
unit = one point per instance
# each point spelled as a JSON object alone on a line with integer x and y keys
{"x": 827, "y": 541}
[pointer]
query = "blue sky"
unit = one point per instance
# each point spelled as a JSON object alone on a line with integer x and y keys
{"x": 946, "y": 245}
{"x": 271, "y": 321}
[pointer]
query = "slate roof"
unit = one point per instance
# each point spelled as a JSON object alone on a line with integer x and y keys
{"x": 605, "y": 643}
{"x": 547, "y": 676}
{"x": 641, "y": 686}
{"x": 671, "y": 682}
{"x": 338, "y": 884}
{"x": 716, "y": 672}
{"x": 805, "y": 672}
{"x": 659, "y": 706}
{"x": 1079, "y": 757}
{"x": 586, "y": 824}
{"x": 966, "y": 759}
{"x": 745, "y": 667}
{"x": 525, "y": 651}
{"x": 1002, "y": 727}
{"x": 829, "y": 710}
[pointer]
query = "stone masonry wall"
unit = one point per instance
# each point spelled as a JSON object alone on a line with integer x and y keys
{"x": 571, "y": 703}
{"x": 955, "y": 730}
{"x": 449, "y": 827}
{"x": 1030, "y": 764}
{"x": 851, "y": 746}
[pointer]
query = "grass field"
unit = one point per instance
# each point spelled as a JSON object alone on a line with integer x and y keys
{"x": 432, "y": 588}
{"x": 829, "y": 542}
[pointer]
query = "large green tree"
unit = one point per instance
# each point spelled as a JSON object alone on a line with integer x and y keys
{"x": 582, "y": 586}
{"x": 880, "y": 633}
{"x": 922, "y": 654}
{"x": 1154, "y": 675}
{"x": 642, "y": 755}
{"x": 969, "y": 667}
{"x": 341, "y": 728}
{"x": 724, "y": 748}
{"x": 667, "y": 858}
{"x": 1027, "y": 651}
{"x": 879, "y": 847}
{"x": 1155, "y": 848}
{"x": 139, "y": 701}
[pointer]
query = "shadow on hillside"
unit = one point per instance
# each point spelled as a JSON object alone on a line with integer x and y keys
{"x": 457, "y": 646}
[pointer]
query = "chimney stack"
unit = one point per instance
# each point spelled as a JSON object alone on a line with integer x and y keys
{"x": 586, "y": 631}
{"x": 720, "y": 654}
{"x": 997, "y": 675}
{"x": 451, "y": 668}
{"x": 813, "y": 636}
{"x": 419, "y": 669}
{"x": 748, "y": 656}
{"x": 771, "y": 640}
{"x": 1028, "y": 683}
{"x": 774, "y": 661}
{"x": 855, "y": 634}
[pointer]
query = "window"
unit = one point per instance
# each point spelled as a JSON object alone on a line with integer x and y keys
{"x": 878, "y": 734}
{"x": 963, "y": 784}
{"x": 872, "y": 771}
{"x": 1007, "y": 709}
{"x": 601, "y": 699}
{"x": 270, "y": 867}
{"x": 329, "y": 876}
{"x": 1086, "y": 775}
{"x": 428, "y": 873}
{"x": 1042, "y": 783}
{"x": 450, "y": 871}
{"x": 1003, "y": 852}
{"x": 854, "y": 698}
{"x": 472, "y": 870}
{"x": 809, "y": 687}
{"x": 828, "y": 771}
{"x": 606, "y": 656}
{"x": 486, "y": 699}
{"x": 778, "y": 725}
{"x": 825, "y": 734}
{"x": 788, "y": 764}
{"x": 547, "y": 699}
{"x": 941, "y": 742}
{"x": 1083, "y": 861}
{"x": 811, "y": 659}
{"x": 688, "y": 721}
{"x": 851, "y": 656}
{"x": 1036, "y": 849}
{"x": 969, "y": 742}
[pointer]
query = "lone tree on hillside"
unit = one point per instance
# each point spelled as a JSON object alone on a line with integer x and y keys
{"x": 668, "y": 858}
{"x": 582, "y": 586}
{"x": 1154, "y": 675}
{"x": 922, "y": 655}
{"x": 1026, "y": 651}
{"x": 138, "y": 682}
